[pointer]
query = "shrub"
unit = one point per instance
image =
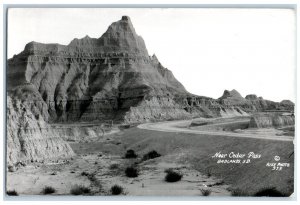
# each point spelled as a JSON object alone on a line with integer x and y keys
{"x": 130, "y": 154}
{"x": 116, "y": 190}
{"x": 79, "y": 190}
{"x": 11, "y": 168}
{"x": 131, "y": 172}
{"x": 84, "y": 174}
{"x": 168, "y": 170}
{"x": 238, "y": 192}
{"x": 92, "y": 177}
{"x": 221, "y": 182}
{"x": 172, "y": 176}
{"x": 208, "y": 172}
{"x": 12, "y": 193}
{"x": 114, "y": 166}
{"x": 48, "y": 190}
{"x": 273, "y": 192}
{"x": 151, "y": 155}
{"x": 205, "y": 192}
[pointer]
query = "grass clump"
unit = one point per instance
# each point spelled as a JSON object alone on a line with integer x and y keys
{"x": 151, "y": 155}
{"x": 48, "y": 190}
{"x": 130, "y": 154}
{"x": 131, "y": 172}
{"x": 80, "y": 190}
{"x": 238, "y": 192}
{"x": 114, "y": 166}
{"x": 84, "y": 174}
{"x": 205, "y": 192}
{"x": 92, "y": 177}
{"x": 12, "y": 193}
{"x": 271, "y": 192}
{"x": 116, "y": 190}
{"x": 172, "y": 176}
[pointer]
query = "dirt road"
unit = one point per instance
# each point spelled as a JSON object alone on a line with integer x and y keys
{"x": 183, "y": 127}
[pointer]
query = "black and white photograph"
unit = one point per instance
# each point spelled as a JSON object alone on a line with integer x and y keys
{"x": 155, "y": 102}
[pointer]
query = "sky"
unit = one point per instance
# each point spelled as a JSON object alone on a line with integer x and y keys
{"x": 208, "y": 50}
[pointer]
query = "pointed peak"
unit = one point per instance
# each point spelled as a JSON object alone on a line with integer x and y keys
{"x": 85, "y": 41}
{"x": 154, "y": 58}
{"x": 122, "y": 37}
{"x": 126, "y": 18}
{"x": 231, "y": 94}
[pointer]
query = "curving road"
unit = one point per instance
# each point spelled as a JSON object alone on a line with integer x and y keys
{"x": 182, "y": 126}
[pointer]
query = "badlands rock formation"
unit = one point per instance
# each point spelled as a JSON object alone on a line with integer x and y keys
{"x": 29, "y": 137}
{"x": 112, "y": 77}
{"x": 265, "y": 120}
{"x": 96, "y": 79}
{"x": 252, "y": 103}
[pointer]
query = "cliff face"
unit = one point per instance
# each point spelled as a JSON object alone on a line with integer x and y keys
{"x": 271, "y": 120}
{"x": 29, "y": 137}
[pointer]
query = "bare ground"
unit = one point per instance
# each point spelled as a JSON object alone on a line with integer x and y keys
{"x": 188, "y": 153}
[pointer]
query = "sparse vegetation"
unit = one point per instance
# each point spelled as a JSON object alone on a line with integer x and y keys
{"x": 271, "y": 192}
{"x": 48, "y": 190}
{"x": 92, "y": 177}
{"x": 151, "y": 155}
{"x": 84, "y": 174}
{"x": 130, "y": 154}
{"x": 116, "y": 190}
{"x": 80, "y": 190}
{"x": 205, "y": 192}
{"x": 12, "y": 193}
{"x": 172, "y": 176}
{"x": 218, "y": 183}
{"x": 131, "y": 172}
{"x": 208, "y": 172}
{"x": 238, "y": 192}
{"x": 197, "y": 150}
{"x": 114, "y": 166}
{"x": 11, "y": 168}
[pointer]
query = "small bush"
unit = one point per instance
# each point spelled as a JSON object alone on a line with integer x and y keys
{"x": 12, "y": 193}
{"x": 151, "y": 155}
{"x": 238, "y": 192}
{"x": 84, "y": 174}
{"x": 221, "y": 182}
{"x": 172, "y": 176}
{"x": 168, "y": 170}
{"x": 92, "y": 177}
{"x": 11, "y": 168}
{"x": 272, "y": 192}
{"x": 130, "y": 154}
{"x": 208, "y": 172}
{"x": 205, "y": 192}
{"x": 114, "y": 166}
{"x": 79, "y": 190}
{"x": 116, "y": 190}
{"x": 48, "y": 190}
{"x": 131, "y": 172}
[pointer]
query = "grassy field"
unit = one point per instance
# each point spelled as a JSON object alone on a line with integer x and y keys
{"x": 199, "y": 149}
